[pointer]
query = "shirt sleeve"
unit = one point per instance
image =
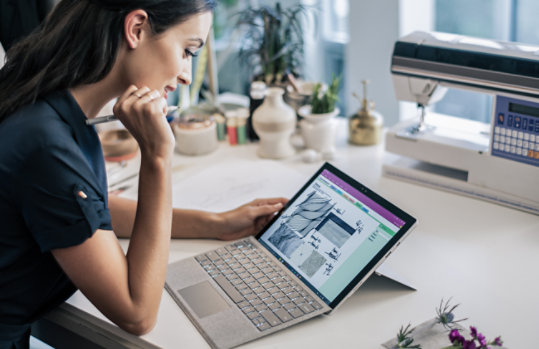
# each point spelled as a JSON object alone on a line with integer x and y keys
{"x": 62, "y": 202}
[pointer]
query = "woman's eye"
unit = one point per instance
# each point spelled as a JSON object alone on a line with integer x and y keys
{"x": 190, "y": 53}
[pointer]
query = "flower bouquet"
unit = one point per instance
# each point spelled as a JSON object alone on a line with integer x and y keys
{"x": 437, "y": 333}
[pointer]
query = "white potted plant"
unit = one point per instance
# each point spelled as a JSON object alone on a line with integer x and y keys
{"x": 318, "y": 125}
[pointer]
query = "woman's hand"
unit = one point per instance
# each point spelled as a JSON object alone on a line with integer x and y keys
{"x": 142, "y": 111}
{"x": 248, "y": 219}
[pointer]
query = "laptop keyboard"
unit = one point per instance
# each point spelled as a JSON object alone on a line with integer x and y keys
{"x": 258, "y": 286}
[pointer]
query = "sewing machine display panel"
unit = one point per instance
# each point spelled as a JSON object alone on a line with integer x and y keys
{"x": 515, "y": 133}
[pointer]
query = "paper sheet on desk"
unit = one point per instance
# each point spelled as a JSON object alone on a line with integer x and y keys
{"x": 228, "y": 185}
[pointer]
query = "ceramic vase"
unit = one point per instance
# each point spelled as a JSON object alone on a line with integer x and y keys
{"x": 318, "y": 130}
{"x": 274, "y": 122}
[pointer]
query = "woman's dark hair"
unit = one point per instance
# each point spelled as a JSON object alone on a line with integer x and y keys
{"x": 78, "y": 44}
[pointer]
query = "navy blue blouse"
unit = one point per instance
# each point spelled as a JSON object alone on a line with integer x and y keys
{"x": 53, "y": 194}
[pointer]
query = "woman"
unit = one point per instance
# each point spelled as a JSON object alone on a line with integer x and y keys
{"x": 57, "y": 222}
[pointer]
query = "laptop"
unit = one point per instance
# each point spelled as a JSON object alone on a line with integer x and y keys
{"x": 328, "y": 239}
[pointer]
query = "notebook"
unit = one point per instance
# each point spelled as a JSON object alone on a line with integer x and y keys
{"x": 325, "y": 243}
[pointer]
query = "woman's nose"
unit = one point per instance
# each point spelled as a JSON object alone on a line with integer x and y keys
{"x": 184, "y": 78}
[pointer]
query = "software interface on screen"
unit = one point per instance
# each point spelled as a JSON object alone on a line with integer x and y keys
{"x": 330, "y": 233}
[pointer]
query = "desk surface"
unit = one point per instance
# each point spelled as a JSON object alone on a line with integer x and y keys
{"x": 481, "y": 254}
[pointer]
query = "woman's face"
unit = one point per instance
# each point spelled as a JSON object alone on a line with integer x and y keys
{"x": 162, "y": 61}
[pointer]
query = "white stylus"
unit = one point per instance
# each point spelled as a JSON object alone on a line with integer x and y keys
{"x": 107, "y": 118}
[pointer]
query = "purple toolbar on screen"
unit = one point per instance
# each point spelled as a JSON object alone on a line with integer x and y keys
{"x": 365, "y": 200}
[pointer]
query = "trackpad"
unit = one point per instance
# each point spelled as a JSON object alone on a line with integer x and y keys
{"x": 203, "y": 299}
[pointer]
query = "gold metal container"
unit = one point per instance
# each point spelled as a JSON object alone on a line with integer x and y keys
{"x": 365, "y": 126}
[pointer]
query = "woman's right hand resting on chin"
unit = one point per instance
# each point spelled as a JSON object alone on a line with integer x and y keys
{"x": 143, "y": 112}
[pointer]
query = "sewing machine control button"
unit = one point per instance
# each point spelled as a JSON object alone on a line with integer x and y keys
{"x": 513, "y": 149}
{"x": 525, "y": 144}
{"x": 513, "y": 141}
{"x": 502, "y": 131}
{"x": 532, "y": 138}
{"x": 507, "y": 148}
{"x": 526, "y": 136}
{"x": 519, "y": 142}
{"x": 502, "y": 139}
{"x": 497, "y": 129}
{"x": 510, "y": 121}
{"x": 515, "y": 133}
{"x": 496, "y": 145}
{"x": 496, "y": 138}
{"x": 519, "y": 151}
{"x": 520, "y": 134}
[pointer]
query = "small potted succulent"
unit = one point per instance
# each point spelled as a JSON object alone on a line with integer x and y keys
{"x": 318, "y": 125}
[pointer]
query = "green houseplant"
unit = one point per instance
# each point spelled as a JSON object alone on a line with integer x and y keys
{"x": 324, "y": 98}
{"x": 272, "y": 44}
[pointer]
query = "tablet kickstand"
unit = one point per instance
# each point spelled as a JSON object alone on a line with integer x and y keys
{"x": 386, "y": 271}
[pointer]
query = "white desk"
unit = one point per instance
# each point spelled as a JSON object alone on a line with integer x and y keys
{"x": 483, "y": 255}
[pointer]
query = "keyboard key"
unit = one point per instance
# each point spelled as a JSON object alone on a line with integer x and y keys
{"x": 228, "y": 288}
{"x": 316, "y": 305}
{"x": 263, "y": 326}
{"x": 261, "y": 307}
{"x": 259, "y": 320}
{"x": 306, "y": 308}
{"x": 283, "y": 315}
{"x": 264, "y": 294}
{"x": 269, "y": 301}
{"x": 295, "y": 312}
{"x": 251, "y": 296}
{"x": 256, "y": 302}
{"x": 252, "y": 315}
{"x": 248, "y": 309}
{"x": 212, "y": 256}
{"x": 246, "y": 291}
{"x": 271, "y": 318}
{"x": 243, "y": 304}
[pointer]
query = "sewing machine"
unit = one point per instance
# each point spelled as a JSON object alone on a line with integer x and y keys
{"x": 498, "y": 162}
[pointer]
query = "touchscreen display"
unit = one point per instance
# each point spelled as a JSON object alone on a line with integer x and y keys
{"x": 329, "y": 233}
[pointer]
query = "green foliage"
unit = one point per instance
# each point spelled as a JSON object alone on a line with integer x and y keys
{"x": 405, "y": 340}
{"x": 324, "y": 101}
{"x": 445, "y": 315}
{"x": 273, "y": 41}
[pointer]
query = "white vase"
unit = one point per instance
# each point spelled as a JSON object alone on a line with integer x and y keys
{"x": 274, "y": 122}
{"x": 318, "y": 130}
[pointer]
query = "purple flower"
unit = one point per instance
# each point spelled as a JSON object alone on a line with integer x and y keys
{"x": 481, "y": 339}
{"x": 455, "y": 336}
{"x": 469, "y": 344}
{"x": 473, "y": 332}
{"x": 498, "y": 341}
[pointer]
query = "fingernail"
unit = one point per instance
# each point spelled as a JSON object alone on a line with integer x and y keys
{"x": 154, "y": 94}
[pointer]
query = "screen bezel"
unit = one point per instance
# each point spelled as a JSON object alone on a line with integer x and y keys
{"x": 408, "y": 219}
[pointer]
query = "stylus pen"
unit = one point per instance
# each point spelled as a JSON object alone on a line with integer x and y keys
{"x": 107, "y": 118}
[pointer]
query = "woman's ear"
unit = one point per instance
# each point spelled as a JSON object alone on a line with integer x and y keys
{"x": 134, "y": 26}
